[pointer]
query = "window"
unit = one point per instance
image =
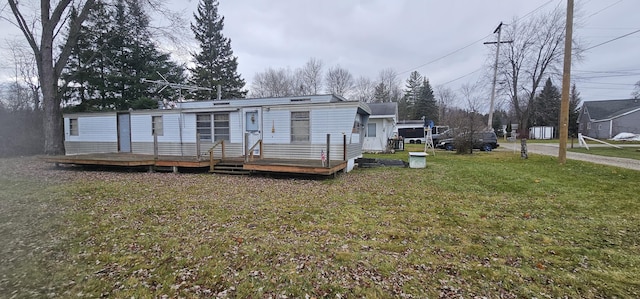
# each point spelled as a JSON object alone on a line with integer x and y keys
{"x": 371, "y": 130}
{"x": 73, "y": 126}
{"x": 156, "y": 126}
{"x": 300, "y": 126}
{"x": 203, "y": 126}
{"x": 220, "y": 126}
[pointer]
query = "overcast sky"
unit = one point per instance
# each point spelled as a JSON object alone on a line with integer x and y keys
{"x": 366, "y": 36}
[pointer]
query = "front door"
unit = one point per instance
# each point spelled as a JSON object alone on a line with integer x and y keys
{"x": 124, "y": 133}
{"x": 252, "y": 127}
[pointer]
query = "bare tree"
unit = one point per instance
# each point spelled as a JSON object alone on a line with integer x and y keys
{"x": 535, "y": 54}
{"x": 274, "y": 83}
{"x": 388, "y": 80}
{"x": 309, "y": 77}
{"x": 445, "y": 98}
{"x": 339, "y": 81}
{"x": 25, "y": 75}
{"x": 51, "y": 23}
{"x": 468, "y": 121}
{"x": 363, "y": 89}
{"x": 16, "y": 96}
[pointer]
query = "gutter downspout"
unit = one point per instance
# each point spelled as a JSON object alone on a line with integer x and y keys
{"x": 611, "y": 128}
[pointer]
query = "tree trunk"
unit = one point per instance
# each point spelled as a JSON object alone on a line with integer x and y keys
{"x": 53, "y": 125}
{"x": 52, "y": 121}
{"x": 524, "y": 154}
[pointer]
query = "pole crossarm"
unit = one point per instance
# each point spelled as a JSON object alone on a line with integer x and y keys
{"x": 495, "y": 73}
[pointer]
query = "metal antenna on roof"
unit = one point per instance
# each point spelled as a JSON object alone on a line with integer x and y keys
{"x": 165, "y": 83}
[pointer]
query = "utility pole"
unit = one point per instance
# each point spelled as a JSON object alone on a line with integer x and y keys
{"x": 495, "y": 73}
{"x": 566, "y": 82}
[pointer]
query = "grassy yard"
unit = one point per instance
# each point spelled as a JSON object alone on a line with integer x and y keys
{"x": 488, "y": 224}
{"x": 625, "y": 152}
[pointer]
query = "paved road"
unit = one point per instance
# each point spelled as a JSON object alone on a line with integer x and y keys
{"x": 551, "y": 149}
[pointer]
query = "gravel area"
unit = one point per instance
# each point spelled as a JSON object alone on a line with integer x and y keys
{"x": 551, "y": 149}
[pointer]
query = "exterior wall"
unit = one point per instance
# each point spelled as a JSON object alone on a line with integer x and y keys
{"x": 322, "y": 121}
{"x": 93, "y": 128}
{"x": 629, "y": 123}
{"x": 385, "y": 129}
{"x": 85, "y": 147}
{"x": 96, "y": 134}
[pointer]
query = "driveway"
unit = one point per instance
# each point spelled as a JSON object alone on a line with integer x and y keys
{"x": 551, "y": 149}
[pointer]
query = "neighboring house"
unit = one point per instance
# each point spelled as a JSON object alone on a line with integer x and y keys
{"x": 381, "y": 126}
{"x": 288, "y": 127}
{"x": 606, "y": 119}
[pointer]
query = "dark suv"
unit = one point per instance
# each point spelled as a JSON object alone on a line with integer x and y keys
{"x": 485, "y": 141}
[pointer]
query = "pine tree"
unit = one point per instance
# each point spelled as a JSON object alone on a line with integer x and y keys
{"x": 381, "y": 93}
{"x": 214, "y": 63}
{"x": 115, "y": 54}
{"x": 546, "y": 106}
{"x": 425, "y": 105}
{"x": 406, "y": 105}
{"x": 574, "y": 101}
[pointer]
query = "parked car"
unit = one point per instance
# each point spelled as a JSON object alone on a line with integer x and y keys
{"x": 485, "y": 141}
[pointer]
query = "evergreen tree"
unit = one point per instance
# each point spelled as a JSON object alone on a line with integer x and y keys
{"x": 546, "y": 106}
{"x": 114, "y": 55}
{"x": 406, "y": 105}
{"x": 425, "y": 105}
{"x": 574, "y": 101}
{"x": 381, "y": 93}
{"x": 214, "y": 63}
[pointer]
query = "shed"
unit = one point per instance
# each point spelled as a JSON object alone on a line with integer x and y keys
{"x": 303, "y": 128}
{"x": 381, "y": 126}
{"x": 605, "y": 119}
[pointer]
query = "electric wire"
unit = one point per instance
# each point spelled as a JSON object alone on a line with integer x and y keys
{"x": 474, "y": 42}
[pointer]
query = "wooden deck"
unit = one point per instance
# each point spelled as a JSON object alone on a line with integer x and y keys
{"x": 255, "y": 165}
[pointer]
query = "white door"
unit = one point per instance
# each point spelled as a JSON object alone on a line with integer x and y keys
{"x": 253, "y": 127}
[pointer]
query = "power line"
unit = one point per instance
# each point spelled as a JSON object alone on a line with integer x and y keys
{"x": 601, "y": 10}
{"x": 613, "y": 39}
{"x": 474, "y": 42}
{"x": 468, "y": 74}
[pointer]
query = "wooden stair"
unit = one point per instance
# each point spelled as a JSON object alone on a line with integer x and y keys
{"x": 230, "y": 167}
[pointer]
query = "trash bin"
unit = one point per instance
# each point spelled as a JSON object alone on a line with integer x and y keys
{"x": 417, "y": 160}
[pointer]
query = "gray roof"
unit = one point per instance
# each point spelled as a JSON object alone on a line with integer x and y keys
{"x": 383, "y": 108}
{"x": 608, "y": 109}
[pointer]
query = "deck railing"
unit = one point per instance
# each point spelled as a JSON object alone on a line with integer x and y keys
{"x": 248, "y": 155}
{"x": 211, "y": 150}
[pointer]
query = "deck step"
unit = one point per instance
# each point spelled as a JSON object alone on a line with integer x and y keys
{"x": 230, "y": 167}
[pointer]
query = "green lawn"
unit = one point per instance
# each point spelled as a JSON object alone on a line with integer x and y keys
{"x": 625, "y": 152}
{"x": 488, "y": 224}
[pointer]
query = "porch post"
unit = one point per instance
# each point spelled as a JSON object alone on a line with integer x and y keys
{"x": 155, "y": 146}
{"x": 328, "y": 150}
{"x": 198, "y": 145}
{"x": 246, "y": 147}
{"x": 344, "y": 147}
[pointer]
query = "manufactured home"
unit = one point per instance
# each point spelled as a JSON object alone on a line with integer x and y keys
{"x": 307, "y": 129}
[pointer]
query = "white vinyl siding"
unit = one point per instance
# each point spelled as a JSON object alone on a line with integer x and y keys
{"x": 300, "y": 128}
